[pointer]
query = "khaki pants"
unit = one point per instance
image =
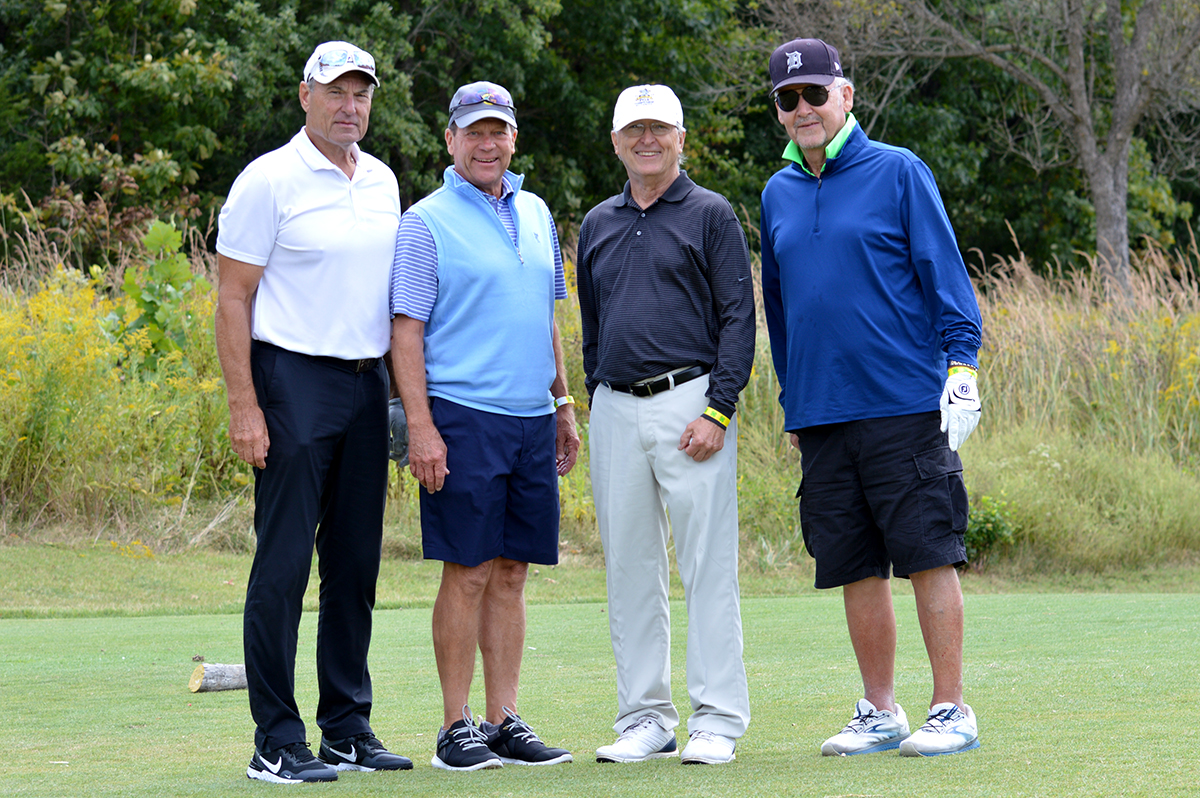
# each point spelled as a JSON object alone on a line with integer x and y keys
{"x": 639, "y": 480}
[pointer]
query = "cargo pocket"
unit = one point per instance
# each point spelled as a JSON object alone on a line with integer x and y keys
{"x": 803, "y": 525}
{"x": 944, "y": 500}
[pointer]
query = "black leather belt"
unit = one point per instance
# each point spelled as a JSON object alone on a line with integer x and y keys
{"x": 356, "y": 366}
{"x": 353, "y": 366}
{"x": 661, "y": 384}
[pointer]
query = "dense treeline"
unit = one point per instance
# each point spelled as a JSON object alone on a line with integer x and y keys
{"x": 113, "y": 112}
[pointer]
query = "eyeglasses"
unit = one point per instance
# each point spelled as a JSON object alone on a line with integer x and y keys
{"x": 337, "y": 58}
{"x": 788, "y": 99}
{"x": 638, "y": 129}
{"x": 483, "y": 97}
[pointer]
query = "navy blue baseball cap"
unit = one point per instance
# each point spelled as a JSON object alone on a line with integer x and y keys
{"x": 804, "y": 61}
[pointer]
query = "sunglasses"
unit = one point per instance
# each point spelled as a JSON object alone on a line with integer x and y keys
{"x": 337, "y": 58}
{"x": 788, "y": 99}
{"x": 485, "y": 97}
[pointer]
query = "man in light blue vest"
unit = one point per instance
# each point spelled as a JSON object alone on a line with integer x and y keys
{"x": 490, "y": 422}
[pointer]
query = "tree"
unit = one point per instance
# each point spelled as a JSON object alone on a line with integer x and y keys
{"x": 112, "y": 107}
{"x": 1094, "y": 73}
{"x": 116, "y": 100}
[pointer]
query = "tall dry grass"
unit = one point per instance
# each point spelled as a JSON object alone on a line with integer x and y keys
{"x": 1066, "y": 353}
{"x": 1091, "y": 425}
{"x": 1090, "y": 434}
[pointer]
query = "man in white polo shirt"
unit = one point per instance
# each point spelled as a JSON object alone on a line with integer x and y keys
{"x": 302, "y": 322}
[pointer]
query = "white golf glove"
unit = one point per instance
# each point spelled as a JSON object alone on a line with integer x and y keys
{"x": 960, "y": 407}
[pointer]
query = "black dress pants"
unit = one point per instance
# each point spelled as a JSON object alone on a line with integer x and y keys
{"x": 325, "y": 480}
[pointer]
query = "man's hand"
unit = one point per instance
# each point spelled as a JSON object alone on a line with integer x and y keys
{"x": 248, "y": 435}
{"x": 427, "y": 457}
{"x": 960, "y": 407}
{"x": 566, "y": 444}
{"x": 702, "y": 439}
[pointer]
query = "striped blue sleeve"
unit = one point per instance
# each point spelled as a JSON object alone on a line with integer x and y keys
{"x": 414, "y": 286}
{"x": 560, "y": 279}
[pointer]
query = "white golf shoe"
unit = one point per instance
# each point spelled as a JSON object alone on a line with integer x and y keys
{"x": 869, "y": 731}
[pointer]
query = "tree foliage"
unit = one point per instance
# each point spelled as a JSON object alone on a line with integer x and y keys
{"x": 1087, "y": 76}
{"x": 116, "y": 112}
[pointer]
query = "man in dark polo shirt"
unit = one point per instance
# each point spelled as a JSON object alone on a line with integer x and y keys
{"x": 668, "y": 342}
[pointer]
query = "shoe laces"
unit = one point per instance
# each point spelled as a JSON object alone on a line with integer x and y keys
{"x": 368, "y": 741}
{"x": 469, "y": 735}
{"x": 644, "y": 722}
{"x": 519, "y": 728}
{"x": 704, "y": 736}
{"x": 941, "y": 720}
{"x": 299, "y": 752}
{"x": 861, "y": 721}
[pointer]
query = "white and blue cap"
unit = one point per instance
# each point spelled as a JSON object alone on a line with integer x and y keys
{"x": 654, "y": 101}
{"x": 331, "y": 60}
{"x": 481, "y": 100}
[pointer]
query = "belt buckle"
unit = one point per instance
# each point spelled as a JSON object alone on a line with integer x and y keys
{"x": 363, "y": 365}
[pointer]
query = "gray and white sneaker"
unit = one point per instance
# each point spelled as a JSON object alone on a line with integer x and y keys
{"x": 645, "y": 739}
{"x": 708, "y": 748}
{"x": 869, "y": 731}
{"x": 949, "y": 730}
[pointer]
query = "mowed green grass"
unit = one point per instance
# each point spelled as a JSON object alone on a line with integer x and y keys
{"x": 1077, "y": 694}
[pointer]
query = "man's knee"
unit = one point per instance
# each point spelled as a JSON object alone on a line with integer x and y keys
{"x": 509, "y": 576}
{"x": 466, "y": 580}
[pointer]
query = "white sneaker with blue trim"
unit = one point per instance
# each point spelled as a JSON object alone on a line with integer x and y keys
{"x": 949, "y": 730}
{"x": 644, "y": 739}
{"x": 869, "y": 731}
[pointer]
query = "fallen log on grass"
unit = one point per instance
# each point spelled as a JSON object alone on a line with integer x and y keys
{"x": 211, "y": 677}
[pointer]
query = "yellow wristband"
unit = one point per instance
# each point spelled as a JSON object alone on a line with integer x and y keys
{"x": 718, "y": 417}
{"x": 961, "y": 370}
{"x": 564, "y": 400}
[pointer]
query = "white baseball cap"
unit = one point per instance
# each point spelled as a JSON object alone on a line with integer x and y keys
{"x": 331, "y": 60}
{"x": 653, "y": 101}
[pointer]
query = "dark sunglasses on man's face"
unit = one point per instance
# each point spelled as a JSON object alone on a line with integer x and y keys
{"x": 788, "y": 99}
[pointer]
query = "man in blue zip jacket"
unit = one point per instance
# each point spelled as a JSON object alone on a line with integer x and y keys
{"x": 480, "y": 370}
{"x": 875, "y": 333}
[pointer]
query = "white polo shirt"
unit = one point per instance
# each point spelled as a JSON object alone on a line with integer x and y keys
{"x": 325, "y": 242}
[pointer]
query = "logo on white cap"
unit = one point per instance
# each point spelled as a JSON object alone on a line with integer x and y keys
{"x": 793, "y": 61}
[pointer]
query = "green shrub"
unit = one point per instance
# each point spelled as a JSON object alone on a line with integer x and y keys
{"x": 989, "y": 530}
{"x": 159, "y": 293}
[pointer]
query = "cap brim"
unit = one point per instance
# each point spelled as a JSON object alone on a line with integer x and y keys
{"x": 332, "y": 75}
{"x": 805, "y": 80}
{"x": 468, "y": 118}
{"x": 621, "y": 124}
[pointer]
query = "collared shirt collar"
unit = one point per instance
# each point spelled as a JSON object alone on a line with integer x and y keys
{"x": 832, "y": 150}
{"x": 314, "y": 158}
{"x": 680, "y": 188}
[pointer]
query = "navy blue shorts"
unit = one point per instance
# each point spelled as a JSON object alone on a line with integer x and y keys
{"x": 881, "y": 494}
{"x": 500, "y": 498}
